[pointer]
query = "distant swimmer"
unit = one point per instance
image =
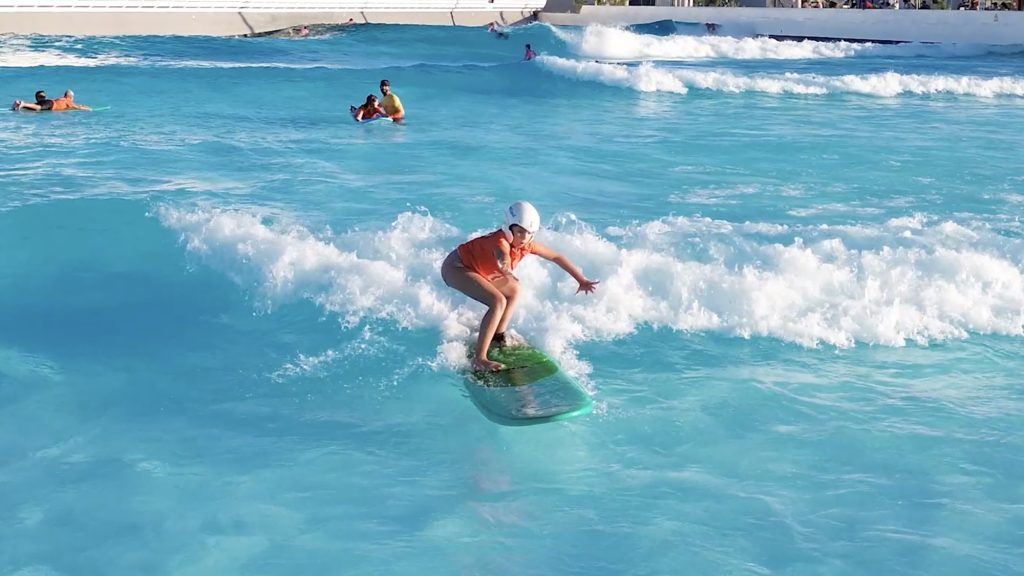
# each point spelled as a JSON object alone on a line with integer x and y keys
{"x": 482, "y": 269}
{"x": 530, "y": 54}
{"x": 390, "y": 102}
{"x": 368, "y": 111}
{"x": 498, "y": 32}
{"x": 44, "y": 104}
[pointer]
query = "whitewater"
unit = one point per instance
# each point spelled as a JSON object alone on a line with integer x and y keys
{"x": 225, "y": 346}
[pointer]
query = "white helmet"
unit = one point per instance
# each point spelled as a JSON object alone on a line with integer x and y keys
{"x": 523, "y": 214}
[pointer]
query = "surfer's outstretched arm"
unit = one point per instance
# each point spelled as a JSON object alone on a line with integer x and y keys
{"x": 586, "y": 286}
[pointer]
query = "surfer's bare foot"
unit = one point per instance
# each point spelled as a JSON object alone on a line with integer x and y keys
{"x": 485, "y": 365}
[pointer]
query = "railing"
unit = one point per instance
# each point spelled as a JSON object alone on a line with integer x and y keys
{"x": 274, "y": 5}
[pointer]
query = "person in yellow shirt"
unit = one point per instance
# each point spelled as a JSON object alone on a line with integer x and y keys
{"x": 390, "y": 102}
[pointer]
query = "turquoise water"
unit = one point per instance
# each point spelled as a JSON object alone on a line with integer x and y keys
{"x": 225, "y": 347}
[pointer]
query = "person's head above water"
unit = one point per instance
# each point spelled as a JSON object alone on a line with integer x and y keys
{"x": 40, "y": 95}
{"x": 521, "y": 215}
{"x": 69, "y": 94}
{"x": 371, "y": 100}
{"x": 385, "y": 87}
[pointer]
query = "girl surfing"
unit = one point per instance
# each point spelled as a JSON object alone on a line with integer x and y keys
{"x": 482, "y": 269}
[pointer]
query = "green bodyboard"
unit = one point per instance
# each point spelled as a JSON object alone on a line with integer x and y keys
{"x": 532, "y": 389}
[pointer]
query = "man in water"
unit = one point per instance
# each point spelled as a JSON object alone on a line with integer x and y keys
{"x": 390, "y": 102}
{"x": 43, "y": 103}
{"x": 498, "y": 32}
{"x": 530, "y": 54}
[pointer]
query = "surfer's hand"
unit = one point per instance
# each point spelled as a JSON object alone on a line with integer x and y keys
{"x": 587, "y": 286}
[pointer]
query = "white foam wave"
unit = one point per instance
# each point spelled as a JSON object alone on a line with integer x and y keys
{"x": 909, "y": 280}
{"x": 648, "y": 77}
{"x": 230, "y": 65}
{"x": 354, "y": 64}
{"x": 288, "y": 262}
{"x": 227, "y": 65}
{"x": 24, "y": 57}
{"x": 16, "y": 52}
{"x": 893, "y": 84}
{"x": 24, "y": 52}
{"x": 645, "y": 77}
{"x": 611, "y": 43}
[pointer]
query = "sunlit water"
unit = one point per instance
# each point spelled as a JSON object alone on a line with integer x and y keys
{"x": 225, "y": 347}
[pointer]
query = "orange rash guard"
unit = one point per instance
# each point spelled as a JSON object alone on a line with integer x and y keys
{"x": 479, "y": 256}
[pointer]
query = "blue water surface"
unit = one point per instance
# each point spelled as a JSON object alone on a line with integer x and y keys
{"x": 225, "y": 347}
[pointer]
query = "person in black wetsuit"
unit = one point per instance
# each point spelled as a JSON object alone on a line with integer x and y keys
{"x": 42, "y": 103}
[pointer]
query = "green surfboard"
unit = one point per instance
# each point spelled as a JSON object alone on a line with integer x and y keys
{"x": 532, "y": 389}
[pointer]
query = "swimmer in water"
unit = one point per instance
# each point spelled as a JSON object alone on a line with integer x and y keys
{"x": 44, "y": 104}
{"x": 498, "y": 32}
{"x": 368, "y": 111}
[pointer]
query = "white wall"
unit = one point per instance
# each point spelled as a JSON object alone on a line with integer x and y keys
{"x": 243, "y": 17}
{"x": 273, "y": 5}
{"x": 945, "y": 26}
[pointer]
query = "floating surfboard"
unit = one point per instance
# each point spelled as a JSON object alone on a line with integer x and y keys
{"x": 371, "y": 119}
{"x": 99, "y": 109}
{"x": 377, "y": 119}
{"x": 532, "y": 389}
